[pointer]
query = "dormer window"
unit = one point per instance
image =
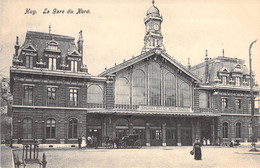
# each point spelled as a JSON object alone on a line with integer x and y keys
{"x": 29, "y": 61}
{"x": 74, "y": 66}
{"x": 53, "y": 45}
{"x": 52, "y": 63}
{"x": 238, "y": 81}
{"x": 224, "y": 80}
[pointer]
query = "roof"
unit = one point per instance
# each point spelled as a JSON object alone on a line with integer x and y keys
{"x": 219, "y": 64}
{"x": 39, "y": 41}
{"x": 138, "y": 58}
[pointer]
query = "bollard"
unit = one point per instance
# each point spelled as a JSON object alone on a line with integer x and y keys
{"x": 44, "y": 162}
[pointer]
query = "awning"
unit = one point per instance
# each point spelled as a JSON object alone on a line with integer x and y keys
{"x": 153, "y": 113}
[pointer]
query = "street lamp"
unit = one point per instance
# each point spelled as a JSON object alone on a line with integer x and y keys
{"x": 252, "y": 101}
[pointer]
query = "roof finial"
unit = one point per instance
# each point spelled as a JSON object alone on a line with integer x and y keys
{"x": 49, "y": 28}
{"x": 153, "y": 2}
{"x": 206, "y": 53}
{"x": 223, "y": 52}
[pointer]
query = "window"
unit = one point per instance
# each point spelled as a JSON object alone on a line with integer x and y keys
{"x": 74, "y": 66}
{"x": 73, "y": 128}
{"x": 170, "y": 90}
{"x": 238, "y": 81}
{"x": 29, "y": 62}
{"x": 204, "y": 100}
{"x": 28, "y": 95}
{"x": 51, "y": 128}
{"x": 51, "y": 93}
{"x": 225, "y": 130}
{"x": 138, "y": 87}
{"x": 224, "y": 103}
{"x": 122, "y": 91}
{"x": 238, "y": 130}
{"x": 52, "y": 63}
{"x": 238, "y": 103}
{"x": 224, "y": 80}
{"x": 156, "y": 134}
{"x": 185, "y": 97}
{"x": 94, "y": 94}
{"x": 154, "y": 84}
{"x": 73, "y": 97}
{"x": 27, "y": 128}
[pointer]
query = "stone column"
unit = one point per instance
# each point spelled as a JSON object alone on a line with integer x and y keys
{"x": 131, "y": 127}
{"x": 147, "y": 132}
{"x": 178, "y": 133}
{"x": 213, "y": 135}
{"x": 193, "y": 131}
{"x": 164, "y": 134}
{"x": 197, "y": 130}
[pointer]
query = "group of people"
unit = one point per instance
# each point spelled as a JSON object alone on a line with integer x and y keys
{"x": 84, "y": 142}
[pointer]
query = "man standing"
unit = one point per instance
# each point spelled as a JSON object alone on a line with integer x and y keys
{"x": 79, "y": 141}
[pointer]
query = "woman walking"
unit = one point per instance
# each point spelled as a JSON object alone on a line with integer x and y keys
{"x": 197, "y": 150}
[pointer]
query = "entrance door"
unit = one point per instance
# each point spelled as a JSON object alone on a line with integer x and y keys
{"x": 171, "y": 137}
{"x": 141, "y": 133}
{"x": 156, "y": 137}
{"x": 96, "y": 133}
{"x": 186, "y": 137}
{"x": 120, "y": 133}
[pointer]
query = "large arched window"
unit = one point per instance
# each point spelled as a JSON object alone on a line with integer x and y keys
{"x": 185, "y": 96}
{"x": 50, "y": 128}
{"x": 73, "y": 128}
{"x": 154, "y": 84}
{"x": 94, "y": 94}
{"x": 27, "y": 128}
{"x": 238, "y": 130}
{"x": 225, "y": 130}
{"x": 170, "y": 90}
{"x": 122, "y": 91}
{"x": 138, "y": 87}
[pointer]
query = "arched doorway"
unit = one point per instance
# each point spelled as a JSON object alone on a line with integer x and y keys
{"x": 156, "y": 133}
{"x": 94, "y": 129}
{"x": 171, "y": 133}
{"x": 139, "y": 128}
{"x": 122, "y": 128}
{"x": 186, "y": 138}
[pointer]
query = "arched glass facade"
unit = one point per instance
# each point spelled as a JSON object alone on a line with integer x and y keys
{"x": 154, "y": 84}
{"x": 170, "y": 90}
{"x": 122, "y": 91}
{"x": 138, "y": 87}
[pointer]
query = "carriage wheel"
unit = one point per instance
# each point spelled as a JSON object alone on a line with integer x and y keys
{"x": 138, "y": 144}
{"x": 124, "y": 145}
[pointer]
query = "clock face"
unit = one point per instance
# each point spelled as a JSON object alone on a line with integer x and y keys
{"x": 156, "y": 27}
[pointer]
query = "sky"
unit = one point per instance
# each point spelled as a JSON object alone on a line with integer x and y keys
{"x": 114, "y": 30}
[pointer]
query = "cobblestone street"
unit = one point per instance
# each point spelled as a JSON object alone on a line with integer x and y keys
{"x": 152, "y": 157}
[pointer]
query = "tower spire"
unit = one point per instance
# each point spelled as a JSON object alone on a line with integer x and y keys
{"x": 223, "y": 53}
{"x": 153, "y": 2}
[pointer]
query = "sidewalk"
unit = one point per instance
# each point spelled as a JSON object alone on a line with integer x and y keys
{"x": 6, "y": 156}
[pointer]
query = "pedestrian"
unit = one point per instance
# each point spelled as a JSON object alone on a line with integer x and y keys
{"x": 84, "y": 143}
{"x": 197, "y": 150}
{"x": 79, "y": 141}
{"x": 204, "y": 141}
{"x": 231, "y": 144}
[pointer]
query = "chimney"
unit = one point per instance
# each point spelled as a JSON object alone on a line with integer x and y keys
{"x": 80, "y": 44}
{"x": 189, "y": 66}
{"x": 206, "y": 67}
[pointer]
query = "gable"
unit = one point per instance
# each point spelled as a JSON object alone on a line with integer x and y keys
{"x": 162, "y": 58}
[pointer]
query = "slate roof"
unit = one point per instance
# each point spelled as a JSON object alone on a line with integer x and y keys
{"x": 39, "y": 41}
{"x": 217, "y": 64}
{"x": 138, "y": 58}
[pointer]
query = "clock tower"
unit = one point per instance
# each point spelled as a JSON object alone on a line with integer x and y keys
{"x": 153, "y": 36}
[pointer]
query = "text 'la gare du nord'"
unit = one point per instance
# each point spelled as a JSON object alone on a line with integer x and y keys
{"x": 57, "y": 11}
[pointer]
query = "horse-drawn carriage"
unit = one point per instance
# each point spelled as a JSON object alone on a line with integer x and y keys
{"x": 129, "y": 141}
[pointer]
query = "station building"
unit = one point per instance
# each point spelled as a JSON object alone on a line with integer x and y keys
{"x": 56, "y": 100}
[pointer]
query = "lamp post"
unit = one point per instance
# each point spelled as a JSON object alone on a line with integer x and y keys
{"x": 252, "y": 101}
